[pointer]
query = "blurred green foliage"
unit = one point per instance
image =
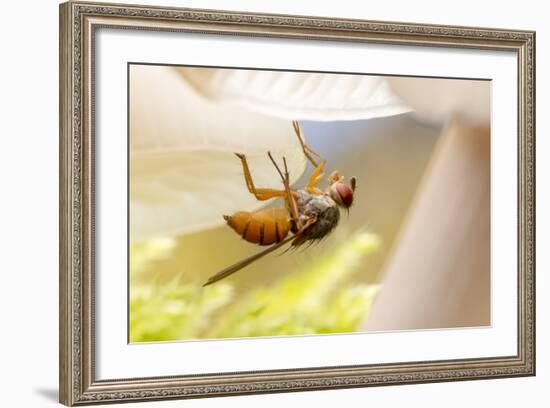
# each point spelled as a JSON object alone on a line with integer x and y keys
{"x": 313, "y": 299}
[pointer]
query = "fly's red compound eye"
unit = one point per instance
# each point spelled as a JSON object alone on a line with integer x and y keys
{"x": 345, "y": 193}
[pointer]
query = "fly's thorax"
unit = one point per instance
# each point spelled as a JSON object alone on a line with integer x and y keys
{"x": 312, "y": 203}
{"x": 323, "y": 208}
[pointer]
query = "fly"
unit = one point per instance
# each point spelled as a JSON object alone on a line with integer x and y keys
{"x": 308, "y": 214}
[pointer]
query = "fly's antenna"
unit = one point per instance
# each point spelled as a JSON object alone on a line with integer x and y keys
{"x": 353, "y": 183}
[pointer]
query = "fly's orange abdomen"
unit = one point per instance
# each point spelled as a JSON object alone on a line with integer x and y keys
{"x": 263, "y": 227}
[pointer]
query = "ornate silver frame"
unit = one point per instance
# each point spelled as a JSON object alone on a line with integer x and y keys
{"x": 78, "y": 22}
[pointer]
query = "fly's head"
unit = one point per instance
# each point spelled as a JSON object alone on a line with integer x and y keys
{"x": 340, "y": 192}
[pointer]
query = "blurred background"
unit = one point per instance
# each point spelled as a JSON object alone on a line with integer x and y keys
{"x": 412, "y": 254}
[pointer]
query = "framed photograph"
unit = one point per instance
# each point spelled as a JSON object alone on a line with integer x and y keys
{"x": 256, "y": 203}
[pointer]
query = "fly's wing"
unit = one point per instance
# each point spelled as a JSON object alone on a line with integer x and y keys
{"x": 247, "y": 261}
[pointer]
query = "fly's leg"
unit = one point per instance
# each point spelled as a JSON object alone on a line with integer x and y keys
{"x": 315, "y": 179}
{"x": 308, "y": 151}
{"x": 290, "y": 199}
{"x": 318, "y": 174}
{"x": 261, "y": 194}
